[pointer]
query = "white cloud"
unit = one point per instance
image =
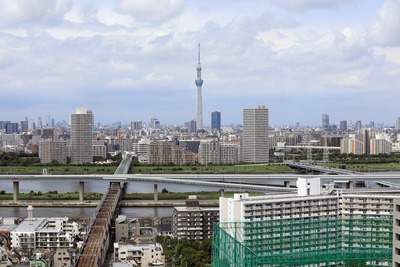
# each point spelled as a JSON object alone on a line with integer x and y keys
{"x": 384, "y": 31}
{"x": 151, "y": 11}
{"x": 249, "y": 56}
{"x": 21, "y": 11}
{"x": 311, "y": 4}
{"x": 122, "y": 83}
{"x": 158, "y": 78}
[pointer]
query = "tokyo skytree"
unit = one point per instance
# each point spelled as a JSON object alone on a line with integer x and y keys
{"x": 199, "y": 103}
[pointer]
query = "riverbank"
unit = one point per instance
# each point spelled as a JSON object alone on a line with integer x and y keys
{"x": 94, "y": 203}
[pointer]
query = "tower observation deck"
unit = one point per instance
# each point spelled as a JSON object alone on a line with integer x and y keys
{"x": 199, "y": 102}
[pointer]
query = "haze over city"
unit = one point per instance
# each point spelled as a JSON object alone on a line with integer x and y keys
{"x": 133, "y": 60}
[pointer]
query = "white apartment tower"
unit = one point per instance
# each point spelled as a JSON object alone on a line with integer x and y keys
{"x": 81, "y": 136}
{"x": 255, "y": 135}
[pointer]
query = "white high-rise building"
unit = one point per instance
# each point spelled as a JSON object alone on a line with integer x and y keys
{"x": 255, "y": 135}
{"x": 81, "y": 136}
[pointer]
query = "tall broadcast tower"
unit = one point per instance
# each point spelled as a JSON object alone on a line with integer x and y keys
{"x": 199, "y": 103}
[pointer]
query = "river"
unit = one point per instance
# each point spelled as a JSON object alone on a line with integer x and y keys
{"x": 91, "y": 186}
{"x": 86, "y": 212}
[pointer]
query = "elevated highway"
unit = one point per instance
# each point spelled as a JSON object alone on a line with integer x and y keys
{"x": 193, "y": 178}
{"x": 262, "y": 182}
{"x": 316, "y": 169}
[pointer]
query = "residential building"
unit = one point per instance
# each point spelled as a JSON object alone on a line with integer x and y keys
{"x": 62, "y": 257}
{"x": 230, "y": 153}
{"x": 396, "y": 233}
{"x": 122, "y": 228}
{"x": 351, "y": 146}
{"x": 81, "y": 136}
{"x": 313, "y": 227}
{"x": 44, "y": 233}
{"x": 52, "y": 150}
{"x": 325, "y": 122}
{"x": 191, "y": 145}
{"x": 192, "y": 221}
{"x": 209, "y": 152}
{"x": 144, "y": 255}
{"x": 214, "y": 152}
{"x": 99, "y": 148}
{"x": 166, "y": 152}
{"x": 380, "y": 146}
{"x": 255, "y": 135}
{"x": 140, "y": 148}
{"x": 364, "y": 136}
{"x": 243, "y": 208}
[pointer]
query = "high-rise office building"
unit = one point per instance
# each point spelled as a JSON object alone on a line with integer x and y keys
{"x": 325, "y": 122}
{"x": 155, "y": 123}
{"x": 199, "y": 102}
{"x": 81, "y": 136}
{"x": 343, "y": 126}
{"x": 255, "y": 135}
{"x": 398, "y": 123}
{"x": 191, "y": 126}
{"x": 357, "y": 126}
{"x": 136, "y": 125}
{"x": 215, "y": 121}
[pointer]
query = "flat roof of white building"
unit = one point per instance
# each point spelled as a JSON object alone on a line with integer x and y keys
{"x": 30, "y": 225}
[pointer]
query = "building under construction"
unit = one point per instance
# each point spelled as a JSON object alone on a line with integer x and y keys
{"x": 303, "y": 242}
{"x": 315, "y": 227}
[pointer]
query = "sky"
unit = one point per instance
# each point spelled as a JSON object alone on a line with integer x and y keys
{"x": 133, "y": 60}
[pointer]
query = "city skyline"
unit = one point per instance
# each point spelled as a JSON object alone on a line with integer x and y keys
{"x": 134, "y": 60}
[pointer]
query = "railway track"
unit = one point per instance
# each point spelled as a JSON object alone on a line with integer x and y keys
{"x": 96, "y": 244}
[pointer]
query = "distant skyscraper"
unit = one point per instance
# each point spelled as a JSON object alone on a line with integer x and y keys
{"x": 155, "y": 123}
{"x": 325, "y": 122}
{"x": 398, "y": 123}
{"x": 81, "y": 136}
{"x": 199, "y": 102}
{"x": 191, "y": 126}
{"x": 24, "y": 126}
{"x": 255, "y": 135}
{"x": 357, "y": 126}
{"x": 343, "y": 126}
{"x": 39, "y": 122}
{"x": 215, "y": 121}
{"x": 136, "y": 125}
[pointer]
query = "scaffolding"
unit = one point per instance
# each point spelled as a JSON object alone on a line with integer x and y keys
{"x": 303, "y": 242}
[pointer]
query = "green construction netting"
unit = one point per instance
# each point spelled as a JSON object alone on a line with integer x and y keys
{"x": 303, "y": 242}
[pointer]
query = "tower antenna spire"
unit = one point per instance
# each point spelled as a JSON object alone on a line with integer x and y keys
{"x": 198, "y": 53}
{"x": 199, "y": 104}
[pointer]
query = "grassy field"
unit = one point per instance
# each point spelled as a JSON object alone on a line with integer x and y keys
{"x": 131, "y": 196}
{"x": 51, "y": 196}
{"x": 378, "y": 167}
{"x": 58, "y": 169}
{"x": 226, "y": 169}
{"x": 198, "y": 169}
